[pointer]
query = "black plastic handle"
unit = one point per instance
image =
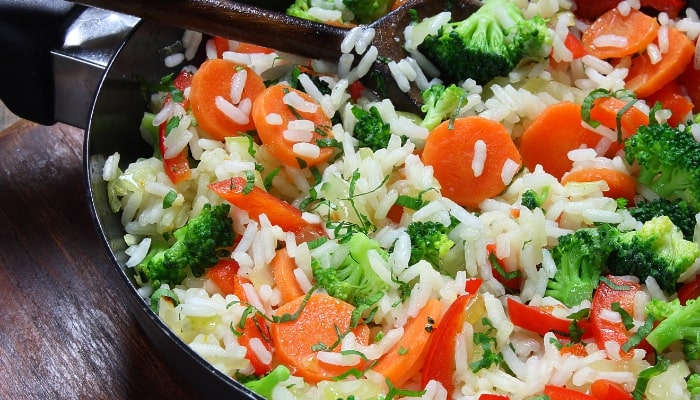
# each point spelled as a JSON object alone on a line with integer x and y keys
{"x": 28, "y": 32}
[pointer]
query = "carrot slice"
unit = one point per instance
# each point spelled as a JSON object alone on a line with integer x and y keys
{"x": 451, "y": 148}
{"x": 550, "y": 137}
{"x": 605, "y": 111}
{"x": 645, "y": 77}
{"x": 405, "y": 359}
{"x": 211, "y": 92}
{"x": 275, "y": 109}
{"x": 316, "y": 326}
{"x": 636, "y": 29}
{"x": 621, "y": 185}
{"x": 283, "y": 266}
{"x": 673, "y": 98}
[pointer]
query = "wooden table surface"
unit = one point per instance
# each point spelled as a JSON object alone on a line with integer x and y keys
{"x": 64, "y": 332}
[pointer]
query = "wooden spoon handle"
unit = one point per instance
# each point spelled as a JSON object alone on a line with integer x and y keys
{"x": 237, "y": 21}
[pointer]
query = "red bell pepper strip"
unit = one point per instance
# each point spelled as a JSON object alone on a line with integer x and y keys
{"x": 604, "y": 329}
{"x": 257, "y": 201}
{"x": 223, "y": 274}
{"x": 575, "y": 46}
{"x": 673, "y": 98}
{"x": 540, "y": 321}
{"x": 604, "y": 389}
{"x": 514, "y": 279}
{"x": 689, "y": 290}
{"x": 670, "y": 7}
{"x": 562, "y": 393}
{"x": 356, "y": 89}
{"x": 440, "y": 362}
{"x": 472, "y": 285}
{"x": 252, "y": 326}
{"x": 690, "y": 80}
{"x": 491, "y": 396}
{"x": 177, "y": 168}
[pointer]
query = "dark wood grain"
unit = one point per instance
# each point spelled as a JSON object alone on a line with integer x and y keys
{"x": 64, "y": 332}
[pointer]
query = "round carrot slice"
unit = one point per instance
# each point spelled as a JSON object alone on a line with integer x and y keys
{"x": 620, "y": 184}
{"x": 550, "y": 137}
{"x": 613, "y": 35}
{"x": 281, "y": 115}
{"x": 212, "y": 102}
{"x": 312, "y": 327}
{"x": 468, "y": 156}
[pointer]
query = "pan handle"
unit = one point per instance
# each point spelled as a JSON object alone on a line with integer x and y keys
{"x": 54, "y": 54}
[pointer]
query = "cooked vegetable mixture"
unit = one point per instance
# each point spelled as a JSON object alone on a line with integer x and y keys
{"x": 533, "y": 233}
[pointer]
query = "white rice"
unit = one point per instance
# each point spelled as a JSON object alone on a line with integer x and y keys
{"x": 662, "y": 38}
{"x": 237, "y": 84}
{"x": 479, "y": 159}
{"x": 301, "y": 124}
{"x": 273, "y": 119}
{"x": 191, "y": 41}
{"x": 306, "y": 150}
{"x": 364, "y": 39}
{"x": 297, "y": 135}
{"x": 510, "y": 168}
{"x": 174, "y": 60}
{"x": 231, "y": 111}
{"x": 610, "y": 41}
{"x": 399, "y": 76}
{"x": 324, "y": 14}
{"x": 294, "y": 100}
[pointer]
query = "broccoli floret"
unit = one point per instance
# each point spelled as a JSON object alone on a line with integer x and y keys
{"x": 679, "y": 211}
{"x": 429, "y": 242}
{"x": 531, "y": 199}
{"x": 657, "y": 250}
{"x": 441, "y": 103}
{"x": 196, "y": 245}
{"x": 668, "y": 160}
{"x": 353, "y": 280}
{"x": 676, "y": 322}
{"x": 580, "y": 259}
{"x": 366, "y": 11}
{"x": 693, "y": 381}
{"x": 489, "y": 43}
{"x": 370, "y": 129}
{"x": 267, "y": 383}
{"x": 301, "y": 9}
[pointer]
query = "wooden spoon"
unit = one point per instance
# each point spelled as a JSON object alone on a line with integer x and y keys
{"x": 288, "y": 34}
